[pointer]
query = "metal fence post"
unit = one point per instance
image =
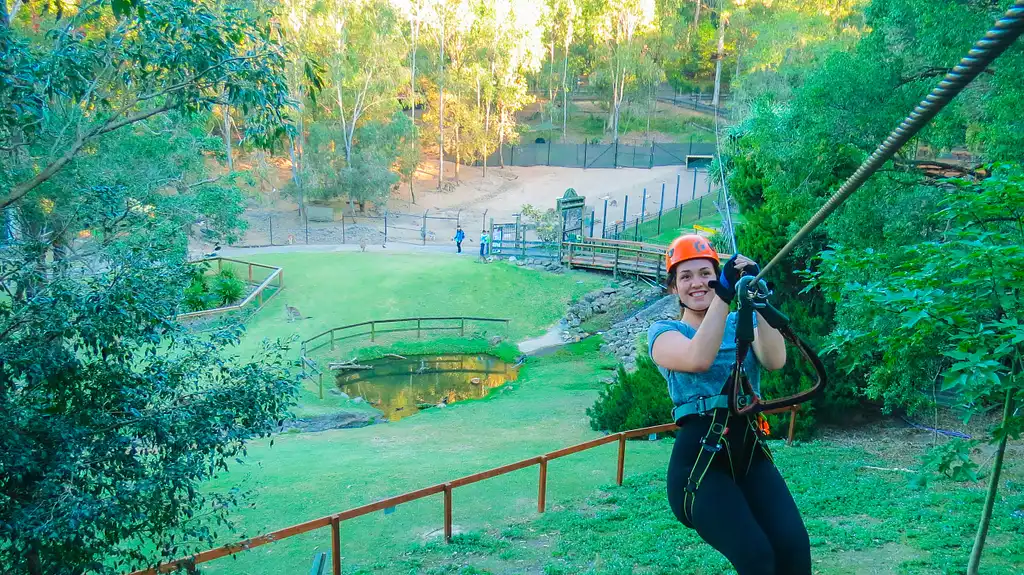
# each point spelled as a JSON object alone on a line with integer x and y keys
{"x": 678, "y": 177}
{"x": 615, "y": 162}
{"x": 700, "y": 207}
{"x": 651, "y": 167}
{"x": 584, "y": 153}
{"x": 385, "y": 226}
{"x": 661, "y": 206}
{"x": 512, "y": 161}
{"x": 625, "y": 213}
{"x": 693, "y": 196}
{"x": 643, "y": 214}
{"x": 423, "y": 232}
{"x": 343, "y": 240}
{"x": 305, "y": 217}
{"x": 604, "y": 219}
{"x": 549, "y": 150}
{"x": 271, "y": 218}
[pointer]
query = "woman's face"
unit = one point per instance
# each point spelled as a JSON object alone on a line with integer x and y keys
{"x": 691, "y": 283}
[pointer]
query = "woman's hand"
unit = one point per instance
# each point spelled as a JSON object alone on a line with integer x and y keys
{"x": 738, "y": 266}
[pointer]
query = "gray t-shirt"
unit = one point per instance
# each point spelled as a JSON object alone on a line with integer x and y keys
{"x": 686, "y": 387}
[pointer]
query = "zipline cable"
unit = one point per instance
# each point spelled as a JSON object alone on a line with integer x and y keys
{"x": 1003, "y": 34}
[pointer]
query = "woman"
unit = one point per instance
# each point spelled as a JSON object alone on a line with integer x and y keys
{"x": 734, "y": 497}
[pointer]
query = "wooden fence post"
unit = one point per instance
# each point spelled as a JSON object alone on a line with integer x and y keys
{"x": 335, "y": 545}
{"x": 792, "y": 424}
{"x": 542, "y": 488}
{"x": 447, "y": 512}
{"x": 373, "y": 330}
{"x": 418, "y": 333}
{"x": 621, "y": 470}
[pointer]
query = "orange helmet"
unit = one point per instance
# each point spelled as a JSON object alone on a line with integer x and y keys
{"x": 689, "y": 247}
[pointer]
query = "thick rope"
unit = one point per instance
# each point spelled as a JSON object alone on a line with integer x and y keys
{"x": 1002, "y": 35}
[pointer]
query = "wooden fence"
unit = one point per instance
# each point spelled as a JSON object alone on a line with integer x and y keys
{"x": 422, "y": 324}
{"x": 257, "y": 295}
{"x": 334, "y": 520}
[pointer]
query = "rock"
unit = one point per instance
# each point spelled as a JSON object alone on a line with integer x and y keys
{"x": 358, "y": 400}
{"x": 496, "y": 340}
{"x": 342, "y": 395}
{"x": 490, "y": 259}
{"x": 608, "y": 290}
{"x": 512, "y": 259}
{"x": 520, "y": 263}
{"x": 342, "y": 420}
{"x": 334, "y": 391}
{"x": 574, "y": 322}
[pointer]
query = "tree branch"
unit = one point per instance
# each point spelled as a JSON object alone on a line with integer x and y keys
{"x": 18, "y": 191}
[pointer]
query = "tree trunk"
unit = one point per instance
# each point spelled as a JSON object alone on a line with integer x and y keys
{"x": 501, "y": 135}
{"x": 990, "y": 497}
{"x": 296, "y": 177}
{"x": 487, "y": 134}
{"x": 440, "y": 114}
{"x": 551, "y": 81}
{"x": 721, "y": 55}
{"x": 565, "y": 88}
{"x": 411, "y": 191}
{"x": 226, "y": 112}
{"x": 458, "y": 151}
{"x": 414, "y": 31}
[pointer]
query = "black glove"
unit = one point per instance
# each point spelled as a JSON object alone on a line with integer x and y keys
{"x": 725, "y": 286}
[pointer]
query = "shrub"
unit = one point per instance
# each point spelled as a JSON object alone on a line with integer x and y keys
{"x": 638, "y": 399}
{"x": 227, "y": 287}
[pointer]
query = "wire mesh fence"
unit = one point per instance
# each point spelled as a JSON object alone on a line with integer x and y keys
{"x": 588, "y": 155}
{"x": 317, "y": 225}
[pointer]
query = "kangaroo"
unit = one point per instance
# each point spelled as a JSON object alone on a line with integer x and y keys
{"x": 294, "y": 314}
{"x": 362, "y": 244}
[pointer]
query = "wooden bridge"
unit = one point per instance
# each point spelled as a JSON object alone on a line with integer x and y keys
{"x": 619, "y": 257}
{"x": 616, "y": 256}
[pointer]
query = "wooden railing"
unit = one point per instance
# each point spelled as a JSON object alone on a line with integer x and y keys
{"x": 276, "y": 273}
{"x": 618, "y": 259}
{"x": 422, "y": 324}
{"x": 445, "y": 489}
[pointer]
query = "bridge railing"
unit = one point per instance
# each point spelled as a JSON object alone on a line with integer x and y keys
{"x": 375, "y": 328}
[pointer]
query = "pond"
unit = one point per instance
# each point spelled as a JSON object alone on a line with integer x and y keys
{"x": 403, "y": 387}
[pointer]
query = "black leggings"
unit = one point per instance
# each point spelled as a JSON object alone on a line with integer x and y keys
{"x": 742, "y": 506}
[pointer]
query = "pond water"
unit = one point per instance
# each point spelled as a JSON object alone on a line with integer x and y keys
{"x": 403, "y": 387}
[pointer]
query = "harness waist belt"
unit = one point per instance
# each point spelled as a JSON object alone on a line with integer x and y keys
{"x": 703, "y": 405}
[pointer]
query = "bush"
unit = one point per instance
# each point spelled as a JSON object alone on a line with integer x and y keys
{"x": 638, "y": 399}
{"x": 208, "y": 292}
{"x": 227, "y": 287}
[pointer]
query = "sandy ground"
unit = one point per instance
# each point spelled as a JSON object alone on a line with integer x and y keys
{"x": 473, "y": 201}
{"x": 504, "y": 191}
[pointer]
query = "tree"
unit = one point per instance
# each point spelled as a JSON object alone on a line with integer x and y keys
{"x": 622, "y": 27}
{"x": 113, "y": 416}
{"x": 114, "y": 75}
{"x": 955, "y": 300}
{"x": 112, "y": 413}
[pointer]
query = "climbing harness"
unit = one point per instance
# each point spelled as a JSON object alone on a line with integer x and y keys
{"x": 711, "y": 444}
{"x": 753, "y": 292}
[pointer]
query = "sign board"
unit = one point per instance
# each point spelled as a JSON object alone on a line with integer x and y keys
{"x": 703, "y": 229}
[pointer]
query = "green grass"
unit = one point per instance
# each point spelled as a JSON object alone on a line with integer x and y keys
{"x": 860, "y": 521}
{"x": 337, "y": 289}
{"x": 673, "y": 224}
{"x": 303, "y": 476}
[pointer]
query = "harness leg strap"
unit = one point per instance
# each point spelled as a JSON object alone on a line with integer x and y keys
{"x": 710, "y": 445}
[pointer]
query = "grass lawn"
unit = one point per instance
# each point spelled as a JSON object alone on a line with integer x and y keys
{"x": 860, "y": 520}
{"x": 303, "y": 476}
{"x": 336, "y": 289}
